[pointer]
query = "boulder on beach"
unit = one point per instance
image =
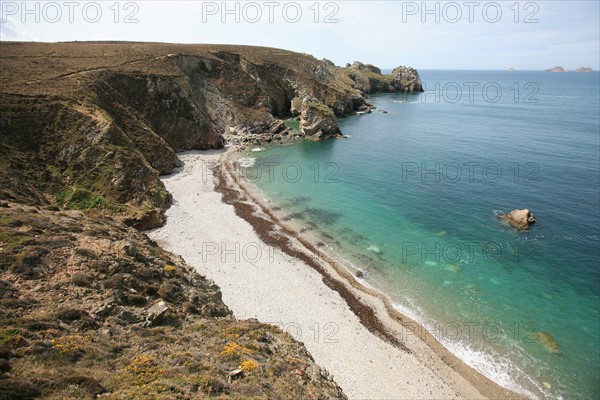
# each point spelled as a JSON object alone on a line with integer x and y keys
{"x": 548, "y": 342}
{"x": 520, "y": 219}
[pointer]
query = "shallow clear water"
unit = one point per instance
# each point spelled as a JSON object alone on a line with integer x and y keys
{"x": 412, "y": 198}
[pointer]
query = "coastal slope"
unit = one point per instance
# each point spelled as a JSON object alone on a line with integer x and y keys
{"x": 90, "y": 305}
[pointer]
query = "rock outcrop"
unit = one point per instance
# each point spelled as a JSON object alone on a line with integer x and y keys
{"x": 368, "y": 79}
{"x": 406, "y": 80}
{"x": 317, "y": 121}
{"x": 520, "y": 219}
{"x": 584, "y": 69}
{"x": 556, "y": 69}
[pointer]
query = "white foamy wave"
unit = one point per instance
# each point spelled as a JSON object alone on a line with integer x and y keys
{"x": 247, "y": 162}
{"x": 413, "y": 312}
{"x": 258, "y": 149}
{"x": 497, "y": 368}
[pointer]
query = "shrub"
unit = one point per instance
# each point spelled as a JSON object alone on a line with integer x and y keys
{"x": 248, "y": 366}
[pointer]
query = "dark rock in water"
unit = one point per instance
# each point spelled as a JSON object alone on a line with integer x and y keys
{"x": 520, "y": 219}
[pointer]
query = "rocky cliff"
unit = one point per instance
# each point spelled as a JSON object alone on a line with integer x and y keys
{"x": 95, "y": 124}
{"x": 89, "y": 305}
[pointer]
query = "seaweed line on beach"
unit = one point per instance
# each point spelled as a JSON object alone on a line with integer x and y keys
{"x": 264, "y": 228}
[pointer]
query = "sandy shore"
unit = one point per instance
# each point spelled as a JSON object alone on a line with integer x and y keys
{"x": 270, "y": 272}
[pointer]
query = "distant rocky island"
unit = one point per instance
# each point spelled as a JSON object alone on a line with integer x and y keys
{"x": 86, "y": 130}
{"x": 561, "y": 69}
{"x": 556, "y": 69}
{"x": 584, "y": 69}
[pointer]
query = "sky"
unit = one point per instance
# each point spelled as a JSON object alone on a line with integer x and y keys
{"x": 525, "y": 35}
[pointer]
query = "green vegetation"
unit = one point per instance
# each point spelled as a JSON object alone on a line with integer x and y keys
{"x": 9, "y": 334}
{"x": 321, "y": 108}
{"x": 293, "y": 124}
{"x": 79, "y": 199}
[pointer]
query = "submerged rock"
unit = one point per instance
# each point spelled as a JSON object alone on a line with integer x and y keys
{"x": 520, "y": 219}
{"x": 374, "y": 249}
{"x": 473, "y": 290}
{"x": 453, "y": 267}
{"x": 548, "y": 342}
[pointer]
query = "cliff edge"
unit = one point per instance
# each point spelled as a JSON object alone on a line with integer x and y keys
{"x": 89, "y": 305}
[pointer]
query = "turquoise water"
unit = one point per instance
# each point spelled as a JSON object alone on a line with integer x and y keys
{"x": 412, "y": 198}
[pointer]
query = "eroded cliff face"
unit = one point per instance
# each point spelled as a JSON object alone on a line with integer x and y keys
{"x": 86, "y": 129}
{"x": 95, "y": 124}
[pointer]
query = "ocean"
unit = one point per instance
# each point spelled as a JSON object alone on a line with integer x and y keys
{"x": 412, "y": 199}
